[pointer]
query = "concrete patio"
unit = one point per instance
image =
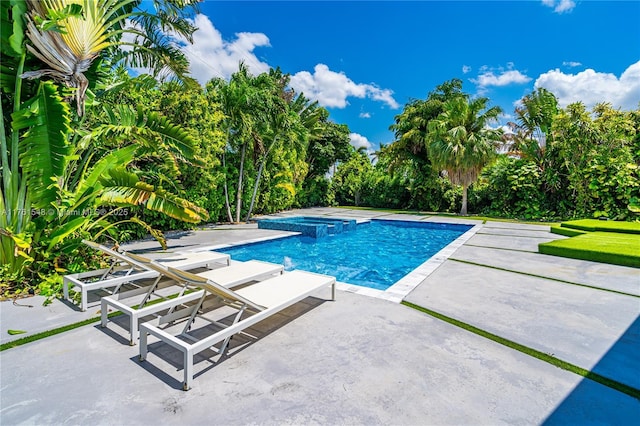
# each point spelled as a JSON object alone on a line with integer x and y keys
{"x": 359, "y": 359}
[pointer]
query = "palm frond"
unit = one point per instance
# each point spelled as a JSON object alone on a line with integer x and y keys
{"x": 175, "y": 137}
{"x": 113, "y": 160}
{"x": 155, "y": 50}
{"x": 150, "y": 130}
{"x": 124, "y": 188}
{"x": 167, "y": 22}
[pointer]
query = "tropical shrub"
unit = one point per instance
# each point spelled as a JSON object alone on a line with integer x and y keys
{"x": 316, "y": 192}
{"x": 595, "y": 153}
{"x": 59, "y": 185}
{"x": 349, "y": 181}
{"x": 513, "y": 189}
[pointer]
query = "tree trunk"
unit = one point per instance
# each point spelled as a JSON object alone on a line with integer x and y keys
{"x": 239, "y": 193}
{"x": 463, "y": 211}
{"x": 255, "y": 188}
{"x": 259, "y": 175}
{"x": 226, "y": 190}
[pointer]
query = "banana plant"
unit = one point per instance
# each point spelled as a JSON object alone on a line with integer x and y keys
{"x": 54, "y": 179}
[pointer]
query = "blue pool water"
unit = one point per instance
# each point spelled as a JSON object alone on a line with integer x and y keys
{"x": 375, "y": 255}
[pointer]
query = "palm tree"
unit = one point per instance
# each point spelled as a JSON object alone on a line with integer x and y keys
{"x": 411, "y": 126}
{"x": 239, "y": 102}
{"x": 460, "y": 141}
{"x": 533, "y": 125}
{"x": 289, "y": 119}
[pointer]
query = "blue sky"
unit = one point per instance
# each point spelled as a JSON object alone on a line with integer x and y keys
{"x": 364, "y": 60}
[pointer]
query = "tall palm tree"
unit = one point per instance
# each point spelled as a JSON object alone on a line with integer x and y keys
{"x": 411, "y": 126}
{"x": 460, "y": 141}
{"x": 240, "y": 101}
{"x": 533, "y": 125}
{"x": 290, "y": 119}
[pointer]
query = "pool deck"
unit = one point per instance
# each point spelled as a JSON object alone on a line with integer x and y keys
{"x": 360, "y": 359}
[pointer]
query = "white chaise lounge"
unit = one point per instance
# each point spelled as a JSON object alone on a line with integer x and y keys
{"x": 252, "y": 304}
{"x": 135, "y": 303}
{"x": 124, "y": 270}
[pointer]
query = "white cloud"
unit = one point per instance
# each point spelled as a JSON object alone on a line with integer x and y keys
{"x": 591, "y": 87}
{"x": 507, "y": 130}
{"x": 211, "y": 56}
{"x": 571, "y": 64}
{"x": 466, "y": 69}
{"x": 504, "y": 78}
{"x": 365, "y": 115}
{"x": 331, "y": 89}
{"x": 358, "y": 141}
{"x": 560, "y": 6}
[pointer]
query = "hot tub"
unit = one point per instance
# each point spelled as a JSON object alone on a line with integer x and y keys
{"x": 316, "y": 227}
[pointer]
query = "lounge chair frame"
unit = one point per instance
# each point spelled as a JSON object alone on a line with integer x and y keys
{"x": 130, "y": 272}
{"x": 308, "y": 283}
{"x": 120, "y": 300}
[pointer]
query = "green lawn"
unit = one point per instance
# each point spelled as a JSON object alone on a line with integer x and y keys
{"x": 608, "y": 247}
{"x": 603, "y": 225}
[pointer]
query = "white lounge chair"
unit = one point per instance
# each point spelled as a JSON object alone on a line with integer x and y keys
{"x": 262, "y": 299}
{"x": 125, "y": 270}
{"x": 135, "y": 303}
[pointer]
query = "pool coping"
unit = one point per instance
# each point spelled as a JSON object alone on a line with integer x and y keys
{"x": 405, "y": 285}
{"x": 401, "y": 288}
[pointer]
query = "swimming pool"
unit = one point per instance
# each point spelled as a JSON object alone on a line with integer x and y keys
{"x": 376, "y": 255}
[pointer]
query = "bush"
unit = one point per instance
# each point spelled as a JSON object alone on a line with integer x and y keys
{"x": 316, "y": 192}
{"x": 514, "y": 189}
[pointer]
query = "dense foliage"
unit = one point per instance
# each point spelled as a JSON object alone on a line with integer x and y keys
{"x": 555, "y": 163}
{"x": 87, "y": 151}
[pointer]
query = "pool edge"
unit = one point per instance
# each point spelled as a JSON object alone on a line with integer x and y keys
{"x": 401, "y": 288}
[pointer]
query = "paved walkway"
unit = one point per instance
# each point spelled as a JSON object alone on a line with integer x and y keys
{"x": 359, "y": 360}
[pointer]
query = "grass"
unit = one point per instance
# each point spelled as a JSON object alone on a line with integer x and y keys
{"x": 48, "y": 333}
{"x": 606, "y": 247}
{"x": 614, "y": 384}
{"x": 593, "y": 225}
{"x": 42, "y": 335}
{"x": 567, "y": 232}
{"x": 515, "y": 271}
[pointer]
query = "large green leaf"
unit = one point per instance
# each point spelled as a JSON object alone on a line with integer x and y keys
{"x": 44, "y": 148}
{"x": 12, "y": 44}
{"x": 150, "y": 130}
{"x": 124, "y": 188}
{"x": 176, "y": 139}
{"x": 67, "y": 229}
{"x": 115, "y": 159}
{"x": 12, "y": 27}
